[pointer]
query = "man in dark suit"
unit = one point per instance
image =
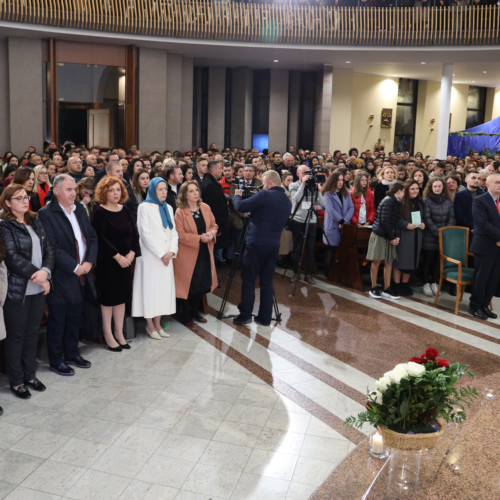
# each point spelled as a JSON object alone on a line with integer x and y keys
{"x": 486, "y": 248}
{"x": 174, "y": 177}
{"x": 74, "y": 239}
{"x": 462, "y": 202}
{"x": 269, "y": 211}
{"x": 213, "y": 195}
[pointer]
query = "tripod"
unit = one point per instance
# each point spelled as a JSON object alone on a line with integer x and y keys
{"x": 304, "y": 233}
{"x": 236, "y": 260}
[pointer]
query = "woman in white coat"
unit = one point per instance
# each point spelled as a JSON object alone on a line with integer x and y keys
{"x": 154, "y": 284}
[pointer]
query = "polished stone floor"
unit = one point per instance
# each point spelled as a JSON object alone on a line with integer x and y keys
{"x": 224, "y": 412}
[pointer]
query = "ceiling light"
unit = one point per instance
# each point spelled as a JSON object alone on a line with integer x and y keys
{"x": 423, "y": 62}
{"x": 276, "y": 60}
{"x": 473, "y": 81}
{"x": 484, "y": 72}
{"x": 348, "y": 62}
{"x": 453, "y": 74}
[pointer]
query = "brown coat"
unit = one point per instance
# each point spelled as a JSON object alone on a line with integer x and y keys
{"x": 189, "y": 245}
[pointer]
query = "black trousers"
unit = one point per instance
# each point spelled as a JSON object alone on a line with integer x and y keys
{"x": 431, "y": 266}
{"x": 297, "y": 229}
{"x": 485, "y": 281}
{"x": 258, "y": 262}
{"x": 22, "y": 323}
{"x": 63, "y": 329}
{"x": 190, "y": 308}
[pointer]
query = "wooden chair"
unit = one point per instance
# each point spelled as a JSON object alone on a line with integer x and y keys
{"x": 454, "y": 254}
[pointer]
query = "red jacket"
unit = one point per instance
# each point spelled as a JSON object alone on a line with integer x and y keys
{"x": 226, "y": 186}
{"x": 370, "y": 207}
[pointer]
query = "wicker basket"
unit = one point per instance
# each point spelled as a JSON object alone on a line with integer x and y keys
{"x": 411, "y": 441}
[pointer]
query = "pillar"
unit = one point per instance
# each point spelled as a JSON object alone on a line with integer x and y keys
{"x": 173, "y": 108}
{"x": 294, "y": 109}
{"x": 278, "y": 110}
{"x": 444, "y": 111}
{"x": 341, "y": 111}
{"x": 323, "y": 110}
{"x": 216, "y": 106}
{"x": 186, "y": 118}
{"x": 241, "y": 108}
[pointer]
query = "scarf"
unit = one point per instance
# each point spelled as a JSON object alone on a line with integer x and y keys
{"x": 153, "y": 198}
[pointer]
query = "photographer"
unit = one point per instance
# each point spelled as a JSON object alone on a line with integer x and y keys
{"x": 304, "y": 192}
{"x": 269, "y": 211}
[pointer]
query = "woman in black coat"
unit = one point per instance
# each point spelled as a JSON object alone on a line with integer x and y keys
{"x": 30, "y": 261}
{"x": 383, "y": 241}
{"x": 438, "y": 212}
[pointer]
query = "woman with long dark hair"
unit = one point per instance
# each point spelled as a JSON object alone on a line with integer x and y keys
{"x": 30, "y": 260}
{"x": 438, "y": 212}
{"x": 140, "y": 183}
{"x": 25, "y": 177}
{"x": 338, "y": 211}
{"x": 412, "y": 225}
{"x": 363, "y": 201}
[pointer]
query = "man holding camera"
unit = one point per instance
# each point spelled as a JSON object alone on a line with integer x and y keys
{"x": 304, "y": 193}
{"x": 269, "y": 211}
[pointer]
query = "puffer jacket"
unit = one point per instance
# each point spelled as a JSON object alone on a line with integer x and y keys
{"x": 387, "y": 218}
{"x": 438, "y": 212}
{"x": 19, "y": 248}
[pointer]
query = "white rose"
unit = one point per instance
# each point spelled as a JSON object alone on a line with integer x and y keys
{"x": 415, "y": 369}
{"x": 382, "y": 383}
{"x": 398, "y": 372}
{"x": 377, "y": 397}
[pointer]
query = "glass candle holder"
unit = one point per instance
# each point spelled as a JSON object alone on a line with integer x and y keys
{"x": 378, "y": 449}
{"x": 489, "y": 393}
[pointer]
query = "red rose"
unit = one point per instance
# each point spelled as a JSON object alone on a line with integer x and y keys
{"x": 431, "y": 354}
{"x": 368, "y": 405}
{"x": 416, "y": 359}
{"x": 442, "y": 363}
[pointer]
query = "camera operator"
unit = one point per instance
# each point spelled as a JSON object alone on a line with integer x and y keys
{"x": 269, "y": 211}
{"x": 304, "y": 192}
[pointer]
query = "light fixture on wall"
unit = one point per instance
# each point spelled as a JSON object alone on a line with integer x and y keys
{"x": 370, "y": 120}
{"x": 433, "y": 121}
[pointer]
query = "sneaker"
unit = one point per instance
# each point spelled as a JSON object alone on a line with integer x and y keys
{"x": 434, "y": 288}
{"x": 375, "y": 292}
{"x": 390, "y": 293}
{"x": 427, "y": 290}
{"x": 403, "y": 289}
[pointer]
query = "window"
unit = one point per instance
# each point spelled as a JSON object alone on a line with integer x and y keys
{"x": 406, "y": 111}
{"x": 476, "y": 102}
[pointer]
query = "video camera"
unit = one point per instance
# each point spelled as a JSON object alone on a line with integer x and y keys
{"x": 248, "y": 191}
{"x": 317, "y": 176}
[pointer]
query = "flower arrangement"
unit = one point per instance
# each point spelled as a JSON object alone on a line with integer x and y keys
{"x": 413, "y": 396}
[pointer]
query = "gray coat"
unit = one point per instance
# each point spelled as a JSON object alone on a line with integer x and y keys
{"x": 438, "y": 212}
{"x": 3, "y": 295}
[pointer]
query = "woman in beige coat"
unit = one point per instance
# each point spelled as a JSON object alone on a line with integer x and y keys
{"x": 194, "y": 267}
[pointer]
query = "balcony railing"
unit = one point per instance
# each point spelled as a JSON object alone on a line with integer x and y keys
{"x": 266, "y": 23}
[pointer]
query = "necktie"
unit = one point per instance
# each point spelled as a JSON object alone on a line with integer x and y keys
{"x": 498, "y": 205}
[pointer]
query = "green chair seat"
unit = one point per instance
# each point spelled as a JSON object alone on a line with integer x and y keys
{"x": 452, "y": 273}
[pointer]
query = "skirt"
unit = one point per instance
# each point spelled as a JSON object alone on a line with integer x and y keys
{"x": 380, "y": 249}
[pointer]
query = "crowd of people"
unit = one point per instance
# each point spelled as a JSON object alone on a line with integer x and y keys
{"x": 145, "y": 231}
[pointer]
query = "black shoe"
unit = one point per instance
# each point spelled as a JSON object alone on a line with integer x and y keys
{"x": 79, "y": 361}
{"x": 478, "y": 313}
{"x": 118, "y": 348}
{"x": 125, "y": 346}
{"x": 63, "y": 369}
{"x": 1, "y": 411}
{"x": 260, "y": 322}
{"x": 21, "y": 392}
{"x": 36, "y": 385}
{"x": 241, "y": 320}
{"x": 453, "y": 291}
{"x": 489, "y": 313}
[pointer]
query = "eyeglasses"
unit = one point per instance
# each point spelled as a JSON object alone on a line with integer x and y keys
{"x": 21, "y": 198}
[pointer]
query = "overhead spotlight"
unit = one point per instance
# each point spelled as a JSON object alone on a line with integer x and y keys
{"x": 423, "y": 62}
{"x": 276, "y": 60}
{"x": 348, "y": 62}
{"x": 453, "y": 74}
{"x": 473, "y": 81}
{"x": 484, "y": 72}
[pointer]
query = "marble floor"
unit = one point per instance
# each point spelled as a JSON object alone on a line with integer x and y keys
{"x": 224, "y": 412}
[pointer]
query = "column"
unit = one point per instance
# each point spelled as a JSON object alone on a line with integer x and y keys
{"x": 174, "y": 101}
{"x": 341, "y": 111}
{"x": 241, "y": 108}
{"x": 187, "y": 104}
{"x": 294, "y": 109}
{"x": 25, "y": 94}
{"x": 278, "y": 110}
{"x": 216, "y": 106}
{"x": 152, "y": 115}
{"x": 323, "y": 111}
{"x": 4, "y": 95}
{"x": 444, "y": 111}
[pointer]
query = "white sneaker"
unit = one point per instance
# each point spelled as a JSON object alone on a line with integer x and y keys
{"x": 427, "y": 290}
{"x": 434, "y": 288}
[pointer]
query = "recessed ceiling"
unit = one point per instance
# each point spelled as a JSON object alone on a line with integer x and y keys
{"x": 478, "y": 64}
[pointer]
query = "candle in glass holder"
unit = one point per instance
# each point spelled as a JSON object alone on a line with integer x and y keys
{"x": 489, "y": 393}
{"x": 377, "y": 443}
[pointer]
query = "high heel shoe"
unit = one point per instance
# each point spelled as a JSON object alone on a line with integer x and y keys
{"x": 125, "y": 346}
{"x": 118, "y": 348}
